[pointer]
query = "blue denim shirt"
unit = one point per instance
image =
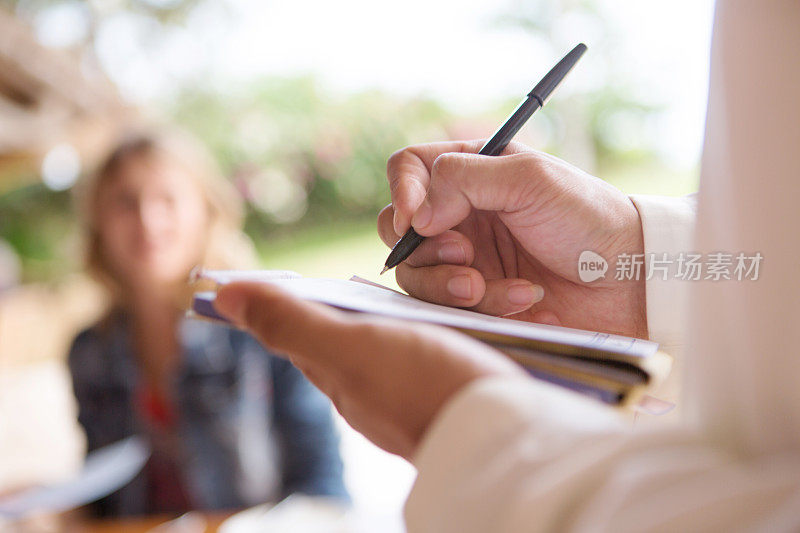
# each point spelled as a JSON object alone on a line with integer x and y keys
{"x": 250, "y": 428}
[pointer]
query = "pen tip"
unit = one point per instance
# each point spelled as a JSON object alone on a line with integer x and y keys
{"x": 384, "y": 270}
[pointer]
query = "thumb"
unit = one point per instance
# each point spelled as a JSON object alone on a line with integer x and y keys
{"x": 461, "y": 182}
{"x": 279, "y": 320}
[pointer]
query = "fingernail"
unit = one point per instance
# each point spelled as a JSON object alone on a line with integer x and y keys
{"x": 423, "y": 215}
{"x": 231, "y": 304}
{"x": 453, "y": 253}
{"x": 460, "y": 287}
{"x": 524, "y": 294}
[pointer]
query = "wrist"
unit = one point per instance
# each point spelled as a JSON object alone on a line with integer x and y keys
{"x": 627, "y": 269}
{"x": 623, "y": 240}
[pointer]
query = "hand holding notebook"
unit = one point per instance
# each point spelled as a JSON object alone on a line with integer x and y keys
{"x": 611, "y": 368}
{"x": 387, "y": 377}
{"x": 389, "y": 373}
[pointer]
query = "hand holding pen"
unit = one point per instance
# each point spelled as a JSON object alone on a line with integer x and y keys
{"x": 503, "y": 235}
{"x": 495, "y": 146}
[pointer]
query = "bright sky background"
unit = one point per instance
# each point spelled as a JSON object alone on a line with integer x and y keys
{"x": 457, "y": 51}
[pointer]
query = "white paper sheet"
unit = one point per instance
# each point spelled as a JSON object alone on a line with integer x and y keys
{"x": 375, "y": 299}
{"x": 105, "y": 470}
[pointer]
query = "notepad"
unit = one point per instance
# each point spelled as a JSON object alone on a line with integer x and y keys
{"x": 612, "y": 368}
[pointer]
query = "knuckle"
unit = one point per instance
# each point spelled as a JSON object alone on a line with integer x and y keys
{"x": 521, "y": 170}
{"x": 475, "y": 146}
{"x": 533, "y": 166}
{"x": 403, "y": 155}
{"x": 395, "y": 158}
{"x": 446, "y": 165}
{"x": 528, "y": 160}
{"x": 516, "y": 147}
{"x": 525, "y": 175}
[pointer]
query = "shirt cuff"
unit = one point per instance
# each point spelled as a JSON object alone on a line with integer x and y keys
{"x": 668, "y": 228}
{"x": 473, "y": 425}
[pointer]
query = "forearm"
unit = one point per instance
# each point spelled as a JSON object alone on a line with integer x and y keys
{"x": 474, "y": 460}
{"x": 511, "y": 456}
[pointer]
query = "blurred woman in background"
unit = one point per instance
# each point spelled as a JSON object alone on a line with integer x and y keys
{"x": 230, "y": 425}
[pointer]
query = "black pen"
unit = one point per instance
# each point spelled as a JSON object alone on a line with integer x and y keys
{"x": 495, "y": 146}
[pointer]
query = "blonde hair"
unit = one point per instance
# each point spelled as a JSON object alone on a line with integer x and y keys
{"x": 226, "y": 246}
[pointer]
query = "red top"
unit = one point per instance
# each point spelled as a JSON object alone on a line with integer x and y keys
{"x": 164, "y": 477}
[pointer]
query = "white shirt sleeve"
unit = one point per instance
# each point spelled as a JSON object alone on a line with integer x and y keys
{"x": 518, "y": 455}
{"x": 521, "y": 456}
{"x": 668, "y": 228}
